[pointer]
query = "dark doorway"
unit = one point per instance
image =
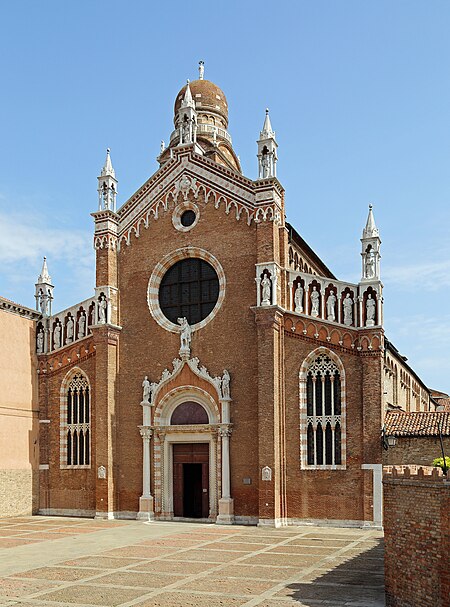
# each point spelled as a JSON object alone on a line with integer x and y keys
{"x": 191, "y": 480}
{"x": 192, "y": 494}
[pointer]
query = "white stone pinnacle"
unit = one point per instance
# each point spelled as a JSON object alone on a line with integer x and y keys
{"x": 267, "y": 131}
{"x": 371, "y": 229}
{"x": 44, "y": 276}
{"x": 188, "y": 100}
{"x": 201, "y": 69}
{"x": 108, "y": 167}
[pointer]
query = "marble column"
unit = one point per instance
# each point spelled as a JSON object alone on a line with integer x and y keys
{"x": 146, "y": 511}
{"x": 226, "y": 505}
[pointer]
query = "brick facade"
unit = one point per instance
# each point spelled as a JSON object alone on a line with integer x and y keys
{"x": 263, "y": 344}
{"x": 417, "y": 539}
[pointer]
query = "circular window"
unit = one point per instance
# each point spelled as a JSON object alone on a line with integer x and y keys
{"x": 190, "y": 289}
{"x": 187, "y": 282}
{"x": 187, "y": 218}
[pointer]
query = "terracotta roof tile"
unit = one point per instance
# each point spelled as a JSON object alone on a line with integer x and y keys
{"x": 417, "y": 423}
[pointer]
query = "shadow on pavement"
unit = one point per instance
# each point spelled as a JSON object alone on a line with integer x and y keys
{"x": 356, "y": 581}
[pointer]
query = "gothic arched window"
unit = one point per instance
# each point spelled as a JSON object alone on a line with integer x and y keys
{"x": 322, "y": 415}
{"x": 76, "y": 423}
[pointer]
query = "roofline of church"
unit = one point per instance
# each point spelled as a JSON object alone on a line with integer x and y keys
{"x": 14, "y": 308}
{"x": 295, "y": 237}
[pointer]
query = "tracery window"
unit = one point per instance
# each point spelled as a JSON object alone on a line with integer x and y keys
{"x": 322, "y": 414}
{"x": 76, "y": 423}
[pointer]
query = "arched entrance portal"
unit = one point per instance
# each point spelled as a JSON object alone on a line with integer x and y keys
{"x": 186, "y": 443}
{"x": 190, "y": 465}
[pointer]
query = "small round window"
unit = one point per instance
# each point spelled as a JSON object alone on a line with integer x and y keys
{"x": 190, "y": 289}
{"x": 187, "y": 218}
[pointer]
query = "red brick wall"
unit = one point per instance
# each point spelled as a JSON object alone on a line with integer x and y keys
{"x": 417, "y": 540}
{"x": 228, "y": 341}
{"x": 335, "y": 494}
{"x": 72, "y": 489}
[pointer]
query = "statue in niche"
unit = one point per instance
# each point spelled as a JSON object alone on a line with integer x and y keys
{"x": 298, "y": 298}
{"x": 331, "y": 306}
{"x": 185, "y": 335}
{"x": 101, "y": 472}
{"x": 225, "y": 384}
{"x": 147, "y": 390}
{"x": 348, "y": 310}
{"x": 102, "y": 305}
{"x": 370, "y": 264}
{"x": 81, "y": 325}
{"x": 265, "y": 164}
{"x": 57, "y": 336}
{"x": 43, "y": 303}
{"x": 40, "y": 342}
{"x": 266, "y": 285}
{"x": 186, "y": 132}
{"x": 69, "y": 330}
{"x": 370, "y": 311}
{"x": 315, "y": 299}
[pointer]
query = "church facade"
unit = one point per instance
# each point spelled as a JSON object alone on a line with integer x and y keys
{"x": 220, "y": 371}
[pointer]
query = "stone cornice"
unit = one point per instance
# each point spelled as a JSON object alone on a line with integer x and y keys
{"x": 14, "y": 308}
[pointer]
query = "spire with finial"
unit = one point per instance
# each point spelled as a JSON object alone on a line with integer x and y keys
{"x": 187, "y": 119}
{"x": 370, "y": 252}
{"x": 108, "y": 167}
{"x": 267, "y": 150}
{"x": 107, "y": 186}
{"x": 188, "y": 100}
{"x": 267, "y": 131}
{"x": 371, "y": 229}
{"x": 201, "y": 70}
{"x": 44, "y": 291}
{"x": 44, "y": 276}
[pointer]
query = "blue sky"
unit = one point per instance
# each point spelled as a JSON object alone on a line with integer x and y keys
{"x": 359, "y": 96}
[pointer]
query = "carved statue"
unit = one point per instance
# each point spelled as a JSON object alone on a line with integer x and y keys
{"x": 266, "y": 285}
{"x": 40, "y": 342}
{"x": 331, "y": 306}
{"x": 43, "y": 303}
{"x": 370, "y": 311}
{"x": 348, "y": 310}
{"x": 186, "y": 132}
{"x": 102, "y": 305}
{"x": 370, "y": 264}
{"x": 225, "y": 384}
{"x": 147, "y": 390}
{"x": 185, "y": 335}
{"x": 81, "y": 326}
{"x": 163, "y": 146}
{"x": 315, "y": 298}
{"x": 57, "y": 336}
{"x": 298, "y": 298}
{"x": 265, "y": 164}
{"x": 69, "y": 330}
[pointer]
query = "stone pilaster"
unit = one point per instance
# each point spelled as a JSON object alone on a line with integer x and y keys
{"x": 106, "y": 339}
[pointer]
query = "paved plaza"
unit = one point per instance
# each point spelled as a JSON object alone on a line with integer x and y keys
{"x": 49, "y": 561}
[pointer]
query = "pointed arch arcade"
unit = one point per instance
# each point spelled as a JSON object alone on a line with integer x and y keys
{"x": 322, "y": 411}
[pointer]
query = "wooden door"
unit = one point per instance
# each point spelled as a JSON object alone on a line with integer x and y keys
{"x": 191, "y": 465}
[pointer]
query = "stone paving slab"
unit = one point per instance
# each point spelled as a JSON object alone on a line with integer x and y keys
{"x": 85, "y": 563}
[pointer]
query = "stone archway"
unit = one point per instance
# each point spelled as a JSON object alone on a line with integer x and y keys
{"x": 167, "y": 436}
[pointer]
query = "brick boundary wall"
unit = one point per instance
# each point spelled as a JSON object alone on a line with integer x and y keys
{"x": 417, "y": 537}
